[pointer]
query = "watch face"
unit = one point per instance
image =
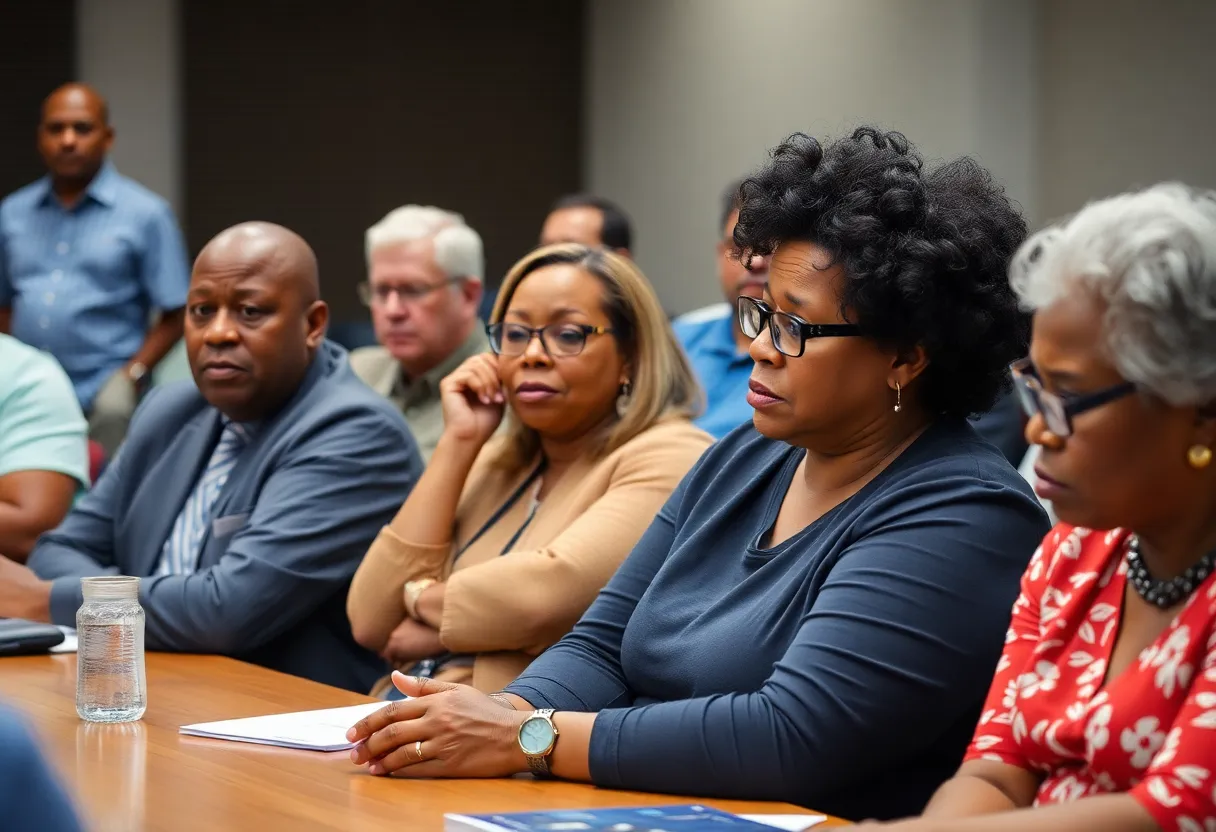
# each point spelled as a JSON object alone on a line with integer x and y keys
{"x": 536, "y": 736}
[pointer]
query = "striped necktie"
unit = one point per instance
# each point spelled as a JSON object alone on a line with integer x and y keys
{"x": 181, "y": 550}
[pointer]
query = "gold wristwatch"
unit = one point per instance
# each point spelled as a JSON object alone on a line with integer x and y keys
{"x": 537, "y": 736}
{"x": 412, "y": 590}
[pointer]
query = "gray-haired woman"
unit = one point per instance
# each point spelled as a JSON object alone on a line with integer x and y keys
{"x": 1103, "y": 711}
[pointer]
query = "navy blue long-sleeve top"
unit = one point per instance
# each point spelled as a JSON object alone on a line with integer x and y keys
{"x": 843, "y": 669}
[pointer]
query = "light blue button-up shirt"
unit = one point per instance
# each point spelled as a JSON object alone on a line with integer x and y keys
{"x": 82, "y": 282}
{"x": 708, "y": 338}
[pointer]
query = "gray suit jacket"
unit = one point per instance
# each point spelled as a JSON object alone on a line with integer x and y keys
{"x": 305, "y": 500}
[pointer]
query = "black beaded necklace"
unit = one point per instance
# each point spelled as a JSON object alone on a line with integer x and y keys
{"x": 1165, "y": 594}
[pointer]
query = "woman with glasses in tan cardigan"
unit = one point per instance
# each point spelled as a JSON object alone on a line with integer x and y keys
{"x": 508, "y": 536}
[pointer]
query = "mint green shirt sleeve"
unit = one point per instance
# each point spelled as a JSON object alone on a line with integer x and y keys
{"x": 41, "y": 425}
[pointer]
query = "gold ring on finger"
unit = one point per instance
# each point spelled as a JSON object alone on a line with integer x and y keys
{"x": 418, "y": 750}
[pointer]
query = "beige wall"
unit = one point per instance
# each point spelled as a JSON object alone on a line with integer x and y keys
{"x": 1065, "y": 100}
{"x": 1127, "y": 99}
{"x": 129, "y": 50}
{"x": 683, "y": 95}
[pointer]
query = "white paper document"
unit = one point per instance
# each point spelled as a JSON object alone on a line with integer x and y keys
{"x": 791, "y": 823}
{"x": 310, "y": 730}
{"x": 68, "y": 645}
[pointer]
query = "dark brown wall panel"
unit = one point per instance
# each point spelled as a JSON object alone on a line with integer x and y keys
{"x": 37, "y": 54}
{"x": 324, "y": 116}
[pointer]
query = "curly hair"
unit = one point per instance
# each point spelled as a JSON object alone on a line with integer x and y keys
{"x": 925, "y": 254}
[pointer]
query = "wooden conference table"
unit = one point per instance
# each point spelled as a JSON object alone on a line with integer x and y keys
{"x": 144, "y": 775}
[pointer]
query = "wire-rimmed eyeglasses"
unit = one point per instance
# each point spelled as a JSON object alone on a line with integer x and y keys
{"x": 564, "y": 340}
{"x": 380, "y": 294}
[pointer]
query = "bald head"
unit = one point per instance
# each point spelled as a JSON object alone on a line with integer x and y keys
{"x": 74, "y": 136}
{"x": 272, "y": 251}
{"x": 254, "y": 320}
{"x": 79, "y": 95}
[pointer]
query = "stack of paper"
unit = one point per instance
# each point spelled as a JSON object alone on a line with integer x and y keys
{"x": 310, "y": 730}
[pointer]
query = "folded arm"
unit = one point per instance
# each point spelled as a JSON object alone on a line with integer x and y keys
{"x": 31, "y": 502}
{"x": 83, "y": 545}
{"x": 43, "y": 454}
{"x": 582, "y": 672}
{"x": 415, "y": 545}
{"x": 527, "y": 600}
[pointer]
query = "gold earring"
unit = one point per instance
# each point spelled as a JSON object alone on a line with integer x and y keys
{"x": 1199, "y": 457}
{"x": 623, "y": 398}
{"x": 898, "y": 398}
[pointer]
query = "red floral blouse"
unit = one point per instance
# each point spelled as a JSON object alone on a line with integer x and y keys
{"x": 1150, "y": 732}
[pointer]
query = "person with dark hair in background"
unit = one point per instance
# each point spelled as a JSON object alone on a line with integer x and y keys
{"x": 590, "y": 221}
{"x": 246, "y": 498}
{"x": 86, "y": 256}
{"x": 716, "y": 346}
{"x": 816, "y": 613}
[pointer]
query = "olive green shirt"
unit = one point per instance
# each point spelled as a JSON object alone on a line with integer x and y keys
{"x": 418, "y": 399}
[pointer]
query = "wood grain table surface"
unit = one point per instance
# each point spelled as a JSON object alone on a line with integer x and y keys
{"x": 146, "y": 776}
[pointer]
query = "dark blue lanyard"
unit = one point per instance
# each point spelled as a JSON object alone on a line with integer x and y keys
{"x": 502, "y": 510}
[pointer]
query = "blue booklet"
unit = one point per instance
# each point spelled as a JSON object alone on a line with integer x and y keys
{"x": 638, "y": 819}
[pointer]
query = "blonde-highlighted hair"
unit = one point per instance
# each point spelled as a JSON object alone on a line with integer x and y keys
{"x": 663, "y": 384}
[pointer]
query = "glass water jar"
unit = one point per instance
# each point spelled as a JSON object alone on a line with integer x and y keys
{"x": 110, "y": 681}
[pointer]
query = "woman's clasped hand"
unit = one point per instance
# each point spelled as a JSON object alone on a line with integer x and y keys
{"x": 443, "y": 730}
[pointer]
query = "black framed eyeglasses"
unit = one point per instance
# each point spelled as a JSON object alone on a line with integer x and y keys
{"x": 1058, "y": 411}
{"x": 789, "y": 334}
{"x": 558, "y": 340}
{"x": 380, "y": 294}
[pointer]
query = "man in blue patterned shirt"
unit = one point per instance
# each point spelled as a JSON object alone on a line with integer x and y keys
{"x": 86, "y": 257}
{"x": 716, "y": 347}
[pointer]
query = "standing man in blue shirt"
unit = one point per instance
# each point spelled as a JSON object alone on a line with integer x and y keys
{"x": 86, "y": 256}
{"x": 711, "y": 337}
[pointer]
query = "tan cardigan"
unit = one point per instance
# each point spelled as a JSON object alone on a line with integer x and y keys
{"x": 507, "y": 608}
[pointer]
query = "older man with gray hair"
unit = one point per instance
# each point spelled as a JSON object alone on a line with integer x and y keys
{"x": 425, "y": 268}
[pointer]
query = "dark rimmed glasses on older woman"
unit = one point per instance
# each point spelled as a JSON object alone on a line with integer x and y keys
{"x": 1058, "y": 410}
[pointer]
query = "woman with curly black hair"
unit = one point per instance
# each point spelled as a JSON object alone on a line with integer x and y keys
{"x": 816, "y": 613}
